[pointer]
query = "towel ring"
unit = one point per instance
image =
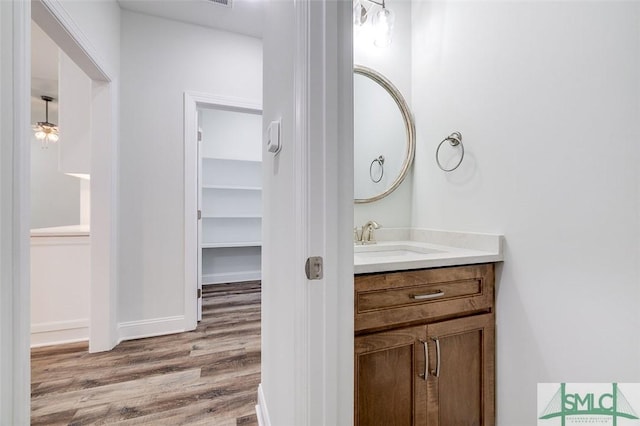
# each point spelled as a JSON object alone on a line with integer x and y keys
{"x": 454, "y": 139}
{"x": 380, "y": 161}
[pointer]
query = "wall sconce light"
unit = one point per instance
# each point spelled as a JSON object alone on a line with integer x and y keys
{"x": 382, "y": 20}
{"x": 46, "y": 132}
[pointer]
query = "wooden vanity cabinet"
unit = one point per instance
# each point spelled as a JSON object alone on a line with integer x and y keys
{"x": 448, "y": 312}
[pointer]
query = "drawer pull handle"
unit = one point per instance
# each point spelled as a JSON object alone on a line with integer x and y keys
{"x": 436, "y": 372}
{"x": 425, "y": 375}
{"x": 434, "y": 295}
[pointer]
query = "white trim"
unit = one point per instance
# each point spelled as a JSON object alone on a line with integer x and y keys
{"x": 208, "y": 100}
{"x": 151, "y": 327}
{"x": 15, "y": 88}
{"x": 59, "y": 332}
{"x": 104, "y": 214}
{"x": 45, "y": 327}
{"x": 192, "y": 101}
{"x": 53, "y": 18}
{"x": 261, "y": 409}
{"x": 302, "y": 345}
{"x": 230, "y": 277}
{"x": 342, "y": 186}
{"x": 190, "y": 211}
{"x": 64, "y": 240}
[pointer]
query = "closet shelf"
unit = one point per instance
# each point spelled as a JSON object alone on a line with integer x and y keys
{"x": 232, "y": 187}
{"x": 232, "y": 244}
{"x": 234, "y": 216}
{"x": 229, "y": 160}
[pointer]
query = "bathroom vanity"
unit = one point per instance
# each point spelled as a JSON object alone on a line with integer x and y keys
{"x": 424, "y": 337}
{"x": 424, "y": 299}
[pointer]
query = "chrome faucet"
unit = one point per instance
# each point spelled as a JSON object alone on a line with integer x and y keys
{"x": 367, "y": 236}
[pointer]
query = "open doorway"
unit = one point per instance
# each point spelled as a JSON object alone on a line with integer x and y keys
{"x": 60, "y": 195}
{"x": 230, "y": 195}
{"x": 223, "y": 139}
{"x": 90, "y": 121}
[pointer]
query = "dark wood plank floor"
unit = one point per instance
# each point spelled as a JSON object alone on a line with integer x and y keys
{"x": 205, "y": 377}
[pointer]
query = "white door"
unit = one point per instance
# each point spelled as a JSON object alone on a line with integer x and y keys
{"x": 307, "y": 325}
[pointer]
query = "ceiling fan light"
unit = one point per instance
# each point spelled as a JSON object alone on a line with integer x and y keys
{"x": 40, "y": 134}
{"x": 45, "y": 131}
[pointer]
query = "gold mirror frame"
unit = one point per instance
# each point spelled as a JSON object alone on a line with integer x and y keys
{"x": 409, "y": 127}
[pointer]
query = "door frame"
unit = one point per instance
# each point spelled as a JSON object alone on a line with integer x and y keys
{"x": 192, "y": 277}
{"x": 15, "y": 75}
{"x": 15, "y": 374}
{"x": 309, "y": 323}
{"x": 324, "y": 96}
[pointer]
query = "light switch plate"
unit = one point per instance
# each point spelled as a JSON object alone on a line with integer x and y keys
{"x": 273, "y": 137}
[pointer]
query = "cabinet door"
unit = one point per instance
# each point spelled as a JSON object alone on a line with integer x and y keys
{"x": 461, "y": 388}
{"x": 389, "y": 388}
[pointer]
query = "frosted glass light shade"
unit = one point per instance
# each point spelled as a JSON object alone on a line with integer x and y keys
{"x": 383, "y": 22}
{"x": 359, "y": 14}
{"x": 46, "y": 132}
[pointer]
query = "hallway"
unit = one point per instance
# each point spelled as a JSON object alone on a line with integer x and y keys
{"x": 208, "y": 376}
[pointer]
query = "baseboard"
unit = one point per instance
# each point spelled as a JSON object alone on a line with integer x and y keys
{"x": 231, "y": 277}
{"x": 261, "y": 409}
{"x": 59, "y": 332}
{"x": 150, "y": 328}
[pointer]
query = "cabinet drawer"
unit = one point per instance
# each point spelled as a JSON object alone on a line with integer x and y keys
{"x": 397, "y": 298}
{"x": 427, "y": 293}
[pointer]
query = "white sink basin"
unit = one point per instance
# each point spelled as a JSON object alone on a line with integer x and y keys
{"x": 429, "y": 249}
{"x": 396, "y": 251}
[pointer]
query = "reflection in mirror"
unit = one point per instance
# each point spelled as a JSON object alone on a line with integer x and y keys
{"x": 384, "y": 136}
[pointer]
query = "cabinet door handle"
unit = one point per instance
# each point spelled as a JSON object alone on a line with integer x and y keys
{"x": 436, "y": 372}
{"x": 425, "y": 375}
{"x": 434, "y": 295}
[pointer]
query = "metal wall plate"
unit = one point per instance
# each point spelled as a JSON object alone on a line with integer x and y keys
{"x": 313, "y": 268}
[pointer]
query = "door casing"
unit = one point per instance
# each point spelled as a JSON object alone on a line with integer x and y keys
{"x": 193, "y": 227}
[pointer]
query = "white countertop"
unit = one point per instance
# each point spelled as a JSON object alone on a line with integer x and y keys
{"x": 62, "y": 231}
{"x": 400, "y": 249}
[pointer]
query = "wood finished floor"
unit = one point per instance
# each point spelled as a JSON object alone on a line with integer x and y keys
{"x": 205, "y": 377}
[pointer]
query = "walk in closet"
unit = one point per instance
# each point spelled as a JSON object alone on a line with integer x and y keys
{"x": 230, "y": 201}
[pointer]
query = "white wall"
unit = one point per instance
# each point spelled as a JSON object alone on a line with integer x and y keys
{"x": 74, "y": 118}
{"x": 161, "y": 59}
{"x": 231, "y": 135}
{"x": 278, "y": 295}
{"x": 546, "y": 96}
{"x": 394, "y": 63}
{"x": 99, "y": 21}
{"x": 60, "y": 282}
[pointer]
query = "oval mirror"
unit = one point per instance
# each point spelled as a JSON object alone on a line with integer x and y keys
{"x": 384, "y": 136}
